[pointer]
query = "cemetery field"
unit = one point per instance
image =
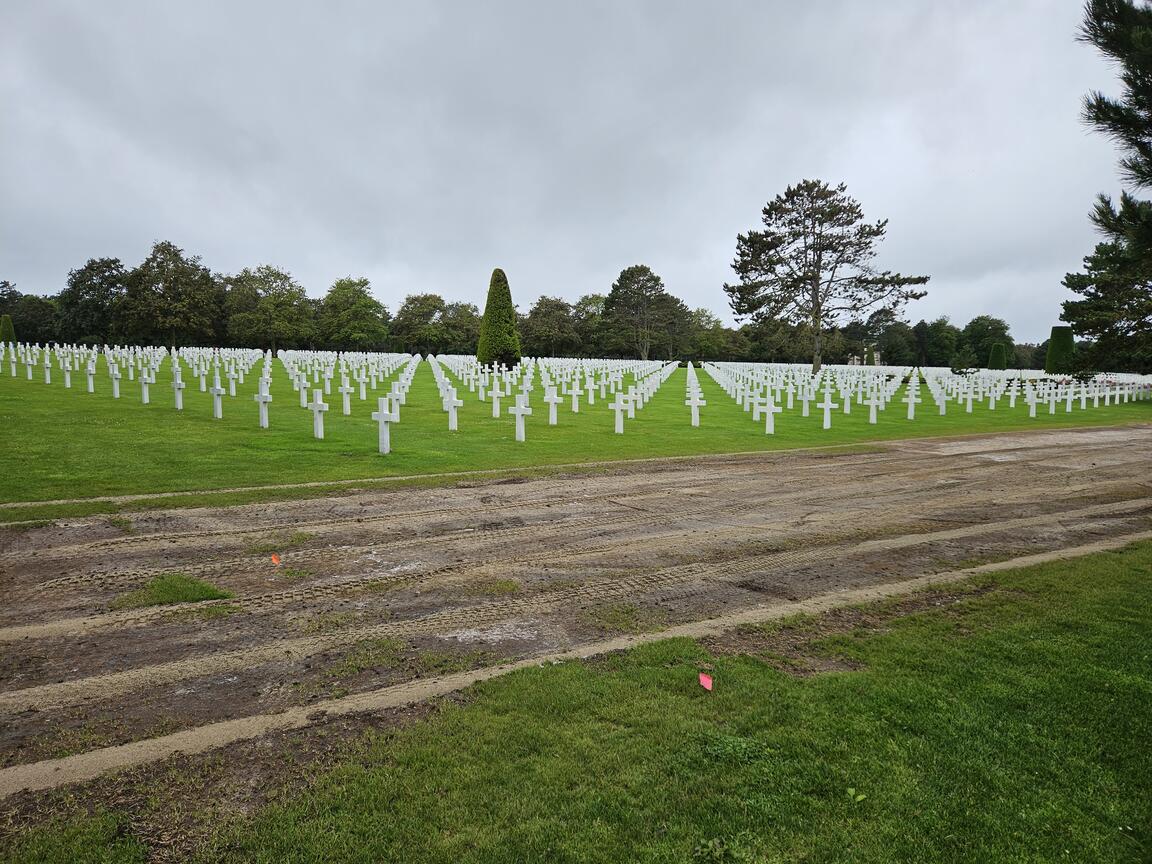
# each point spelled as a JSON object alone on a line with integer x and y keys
{"x": 269, "y": 641}
{"x": 67, "y": 444}
{"x": 1001, "y": 718}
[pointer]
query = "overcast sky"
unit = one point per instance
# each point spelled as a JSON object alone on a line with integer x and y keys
{"x": 422, "y": 144}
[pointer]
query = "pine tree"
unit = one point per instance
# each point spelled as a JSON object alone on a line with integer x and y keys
{"x": 812, "y": 264}
{"x": 499, "y": 342}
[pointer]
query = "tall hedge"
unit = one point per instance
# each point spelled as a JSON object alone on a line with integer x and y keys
{"x": 499, "y": 341}
{"x": 998, "y": 356}
{"x": 870, "y": 356}
{"x": 7, "y": 331}
{"x": 1061, "y": 347}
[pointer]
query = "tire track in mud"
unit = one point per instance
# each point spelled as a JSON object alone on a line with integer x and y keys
{"x": 724, "y": 485}
{"x": 346, "y": 555}
{"x": 705, "y": 575}
{"x": 940, "y": 464}
{"x": 53, "y": 773}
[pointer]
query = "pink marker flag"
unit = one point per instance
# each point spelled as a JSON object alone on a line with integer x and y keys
{"x": 706, "y": 681}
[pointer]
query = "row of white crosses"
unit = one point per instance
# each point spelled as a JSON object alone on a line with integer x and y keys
{"x": 694, "y": 395}
{"x": 565, "y": 381}
{"x": 760, "y": 387}
{"x": 388, "y": 407}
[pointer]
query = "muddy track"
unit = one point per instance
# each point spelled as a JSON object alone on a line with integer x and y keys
{"x": 686, "y": 540}
{"x": 704, "y": 575}
{"x": 876, "y": 469}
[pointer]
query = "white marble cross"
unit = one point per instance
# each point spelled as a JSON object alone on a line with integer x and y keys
{"x": 114, "y": 372}
{"x": 620, "y": 405}
{"x": 346, "y": 390}
{"x": 695, "y": 402}
{"x": 383, "y": 416}
{"x": 576, "y": 393}
{"x": 521, "y": 409}
{"x": 553, "y": 399}
{"x": 873, "y": 402}
{"x": 145, "y": 396}
{"x": 827, "y": 406}
{"x": 912, "y": 397}
{"x": 451, "y": 403}
{"x": 770, "y": 409}
{"x": 496, "y": 394}
{"x": 317, "y": 407}
{"x": 231, "y": 376}
{"x": 217, "y": 399}
{"x": 263, "y": 397}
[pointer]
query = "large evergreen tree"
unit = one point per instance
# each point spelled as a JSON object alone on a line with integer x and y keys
{"x": 812, "y": 263}
{"x": 635, "y": 310}
{"x": 499, "y": 342}
{"x": 1115, "y": 308}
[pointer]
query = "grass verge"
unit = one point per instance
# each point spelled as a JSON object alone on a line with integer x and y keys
{"x": 1011, "y": 723}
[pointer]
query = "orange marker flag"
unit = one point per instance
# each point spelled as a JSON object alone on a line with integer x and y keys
{"x": 275, "y": 559}
{"x": 706, "y": 681}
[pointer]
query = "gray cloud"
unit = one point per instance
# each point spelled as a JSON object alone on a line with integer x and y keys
{"x": 423, "y": 144}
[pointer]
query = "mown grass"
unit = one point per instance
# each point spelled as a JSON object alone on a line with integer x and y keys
{"x": 1013, "y": 726}
{"x": 169, "y": 588}
{"x": 71, "y": 444}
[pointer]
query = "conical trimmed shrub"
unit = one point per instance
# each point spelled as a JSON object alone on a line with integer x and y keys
{"x": 7, "y": 331}
{"x": 998, "y": 356}
{"x": 1061, "y": 348}
{"x": 499, "y": 341}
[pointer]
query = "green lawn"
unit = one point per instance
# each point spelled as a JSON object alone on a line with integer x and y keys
{"x": 1012, "y": 726}
{"x": 62, "y": 443}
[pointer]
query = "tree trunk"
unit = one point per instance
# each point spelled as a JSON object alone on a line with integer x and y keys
{"x": 817, "y": 346}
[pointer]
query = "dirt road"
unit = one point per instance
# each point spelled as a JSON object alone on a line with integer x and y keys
{"x": 419, "y": 591}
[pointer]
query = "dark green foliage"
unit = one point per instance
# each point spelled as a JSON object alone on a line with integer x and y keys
{"x": 870, "y": 357}
{"x": 812, "y": 263}
{"x": 639, "y": 315}
{"x": 897, "y": 345}
{"x": 1114, "y": 309}
{"x": 171, "y": 299}
{"x": 1121, "y": 30}
{"x": 982, "y": 332}
{"x": 88, "y": 305}
{"x": 998, "y": 356}
{"x": 268, "y": 309}
{"x": 1061, "y": 351}
{"x": 351, "y": 319}
{"x": 499, "y": 342}
{"x": 7, "y": 331}
{"x": 549, "y": 330}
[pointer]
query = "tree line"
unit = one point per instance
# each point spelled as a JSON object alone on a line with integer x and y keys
{"x": 171, "y": 298}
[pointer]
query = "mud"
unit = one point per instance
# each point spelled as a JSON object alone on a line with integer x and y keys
{"x": 376, "y": 589}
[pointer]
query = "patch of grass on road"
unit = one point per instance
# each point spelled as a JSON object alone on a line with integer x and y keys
{"x": 170, "y": 588}
{"x": 1011, "y": 724}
